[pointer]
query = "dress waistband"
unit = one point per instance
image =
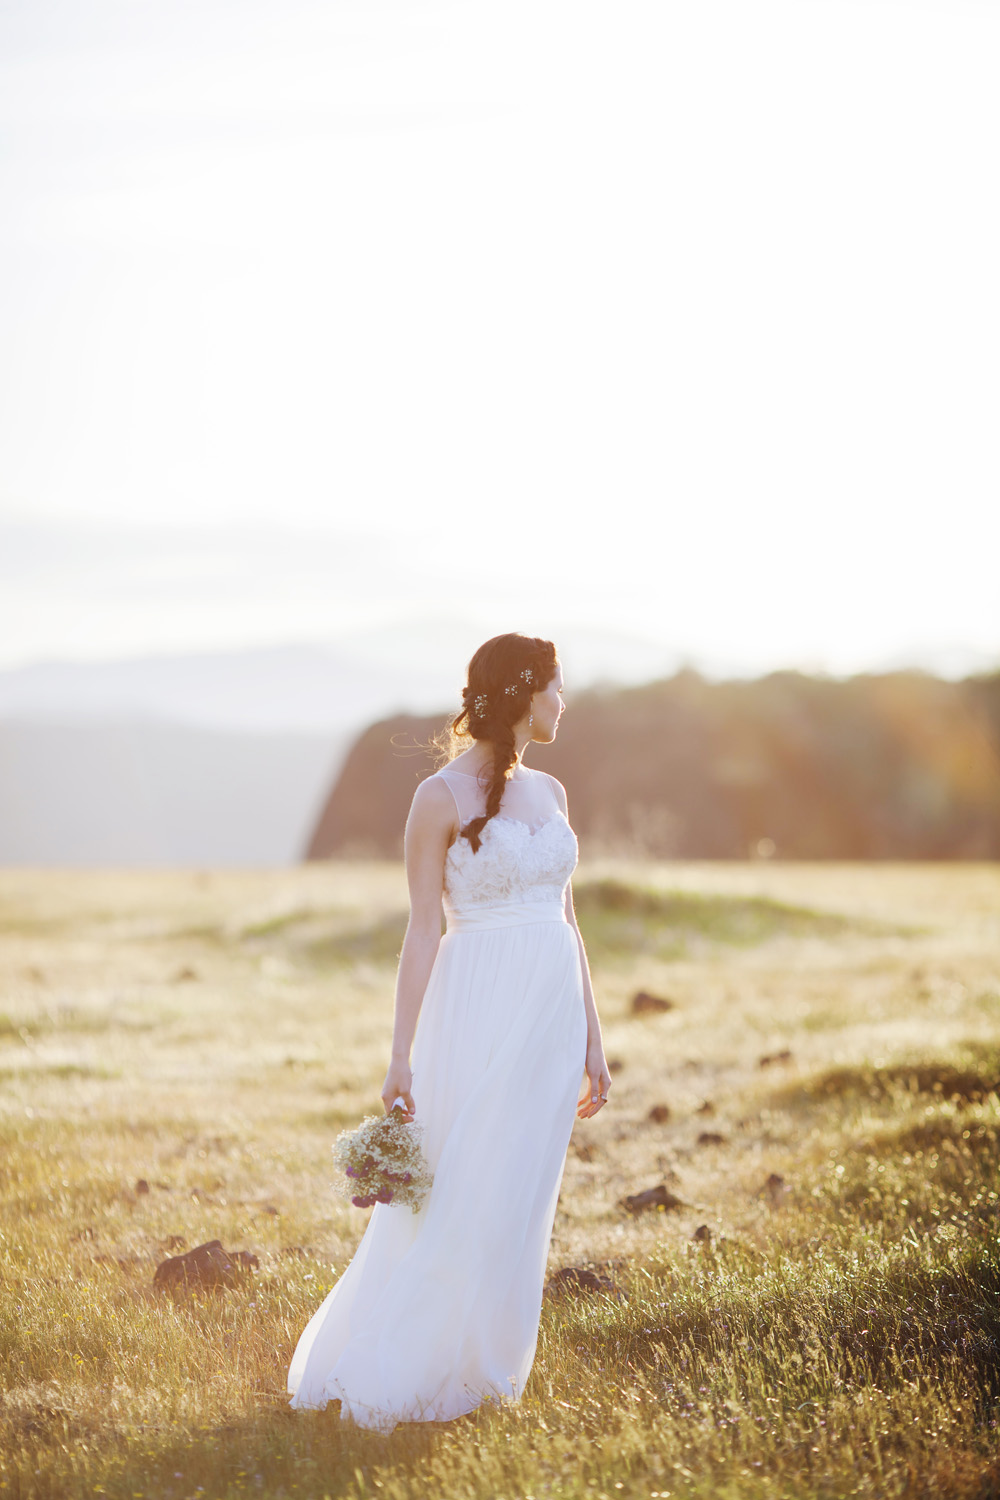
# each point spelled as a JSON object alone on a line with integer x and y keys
{"x": 479, "y": 918}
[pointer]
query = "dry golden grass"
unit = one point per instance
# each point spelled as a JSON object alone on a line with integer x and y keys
{"x": 208, "y": 1034}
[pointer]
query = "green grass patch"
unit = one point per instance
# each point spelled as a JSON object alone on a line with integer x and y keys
{"x": 617, "y": 918}
{"x": 37, "y": 1070}
{"x": 376, "y": 942}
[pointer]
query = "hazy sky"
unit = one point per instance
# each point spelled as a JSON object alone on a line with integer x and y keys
{"x": 677, "y": 316}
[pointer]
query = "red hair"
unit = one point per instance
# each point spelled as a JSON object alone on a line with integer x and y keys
{"x": 503, "y": 675}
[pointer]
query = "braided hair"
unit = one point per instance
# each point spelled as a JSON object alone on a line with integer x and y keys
{"x": 503, "y": 676}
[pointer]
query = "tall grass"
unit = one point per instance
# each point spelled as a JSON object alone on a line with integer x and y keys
{"x": 833, "y": 1330}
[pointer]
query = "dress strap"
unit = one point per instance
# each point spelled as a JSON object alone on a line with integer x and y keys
{"x": 552, "y": 794}
{"x": 466, "y": 793}
{"x": 454, "y": 796}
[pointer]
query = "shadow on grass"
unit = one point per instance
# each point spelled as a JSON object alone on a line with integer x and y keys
{"x": 974, "y": 1083}
{"x": 918, "y": 1318}
{"x": 274, "y": 1452}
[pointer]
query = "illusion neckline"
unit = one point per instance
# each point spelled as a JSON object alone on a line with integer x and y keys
{"x": 474, "y": 775}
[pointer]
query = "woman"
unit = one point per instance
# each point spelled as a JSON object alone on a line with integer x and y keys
{"x": 439, "y": 1309}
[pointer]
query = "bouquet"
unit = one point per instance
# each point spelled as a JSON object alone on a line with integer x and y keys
{"x": 382, "y": 1162}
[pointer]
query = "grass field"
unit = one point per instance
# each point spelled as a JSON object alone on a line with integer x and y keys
{"x": 178, "y": 1050}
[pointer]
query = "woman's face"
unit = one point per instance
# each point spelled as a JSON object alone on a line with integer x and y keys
{"x": 546, "y": 709}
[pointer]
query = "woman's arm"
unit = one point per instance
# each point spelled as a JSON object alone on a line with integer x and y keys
{"x": 595, "y": 1094}
{"x": 430, "y": 828}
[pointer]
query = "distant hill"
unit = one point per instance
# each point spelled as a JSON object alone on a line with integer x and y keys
{"x": 154, "y": 794}
{"x": 899, "y": 765}
{"x": 219, "y": 757}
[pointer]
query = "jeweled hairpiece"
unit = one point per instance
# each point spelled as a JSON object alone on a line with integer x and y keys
{"x": 479, "y": 705}
{"x": 526, "y": 676}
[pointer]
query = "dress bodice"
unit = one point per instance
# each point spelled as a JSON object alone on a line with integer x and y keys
{"x": 520, "y": 859}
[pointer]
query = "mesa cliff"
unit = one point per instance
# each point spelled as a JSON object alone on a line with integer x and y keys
{"x": 899, "y": 765}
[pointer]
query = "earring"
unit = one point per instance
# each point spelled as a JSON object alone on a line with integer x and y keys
{"x": 531, "y": 720}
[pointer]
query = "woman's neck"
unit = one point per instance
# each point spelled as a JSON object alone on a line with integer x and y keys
{"x": 484, "y": 761}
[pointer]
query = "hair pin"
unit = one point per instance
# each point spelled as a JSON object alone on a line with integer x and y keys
{"x": 515, "y": 687}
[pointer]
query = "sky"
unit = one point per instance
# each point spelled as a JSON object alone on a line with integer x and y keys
{"x": 669, "y": 317}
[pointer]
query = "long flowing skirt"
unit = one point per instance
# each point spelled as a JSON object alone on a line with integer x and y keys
{"x": 438, "y": 1310}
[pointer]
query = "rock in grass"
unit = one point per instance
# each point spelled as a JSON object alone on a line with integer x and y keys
{"x": 645, "y": 1004}
{"x": 785, "y": 1055}
{"x": 658, "y": 1198}
{"x": 711, "y": 1138}
{"x": 775, "y": 1189}
{"x": 208, "y": 1266}
{"x": 705, "y": 1241}
{"x": 579, "y": 1279}
{"x": 659, "y": 1114}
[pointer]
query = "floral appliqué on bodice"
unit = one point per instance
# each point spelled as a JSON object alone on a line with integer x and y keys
{"x": 517, "y": 860}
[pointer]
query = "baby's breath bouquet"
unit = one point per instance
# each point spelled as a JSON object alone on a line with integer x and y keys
{"x": 382, "y": 1162}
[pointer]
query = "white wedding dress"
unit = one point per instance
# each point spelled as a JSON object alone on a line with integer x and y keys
{"x": 438, "y": 1310}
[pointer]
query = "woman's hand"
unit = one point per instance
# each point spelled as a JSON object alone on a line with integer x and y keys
{"x": 398, "y": 1083}
{"x": 594, "y": 1097}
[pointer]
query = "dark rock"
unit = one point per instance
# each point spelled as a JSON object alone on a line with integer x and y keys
{"x": 185, "y": 975}
{"x": 615, "y": 1065}
{"x": 578, "y": 1279}
{"x": 206, "y": 1265}
{"x": 702, "y": 1235}
{"x": 775, "y": 1189}
{"x": 659, "y": 1114}
{"x": 711, "y": 1138}
{"x": 654, "y": 1198}
{"x": 785, "y": 1055}
{"x": 643, "y": 1003}
{"x": 142, "y": 1186}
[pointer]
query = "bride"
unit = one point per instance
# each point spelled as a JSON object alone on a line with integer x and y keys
{"x": 438, "y": 1311}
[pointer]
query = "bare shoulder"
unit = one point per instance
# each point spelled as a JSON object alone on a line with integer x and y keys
{"x": 431, "y": 824}
{"x": 432, "y": 795}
